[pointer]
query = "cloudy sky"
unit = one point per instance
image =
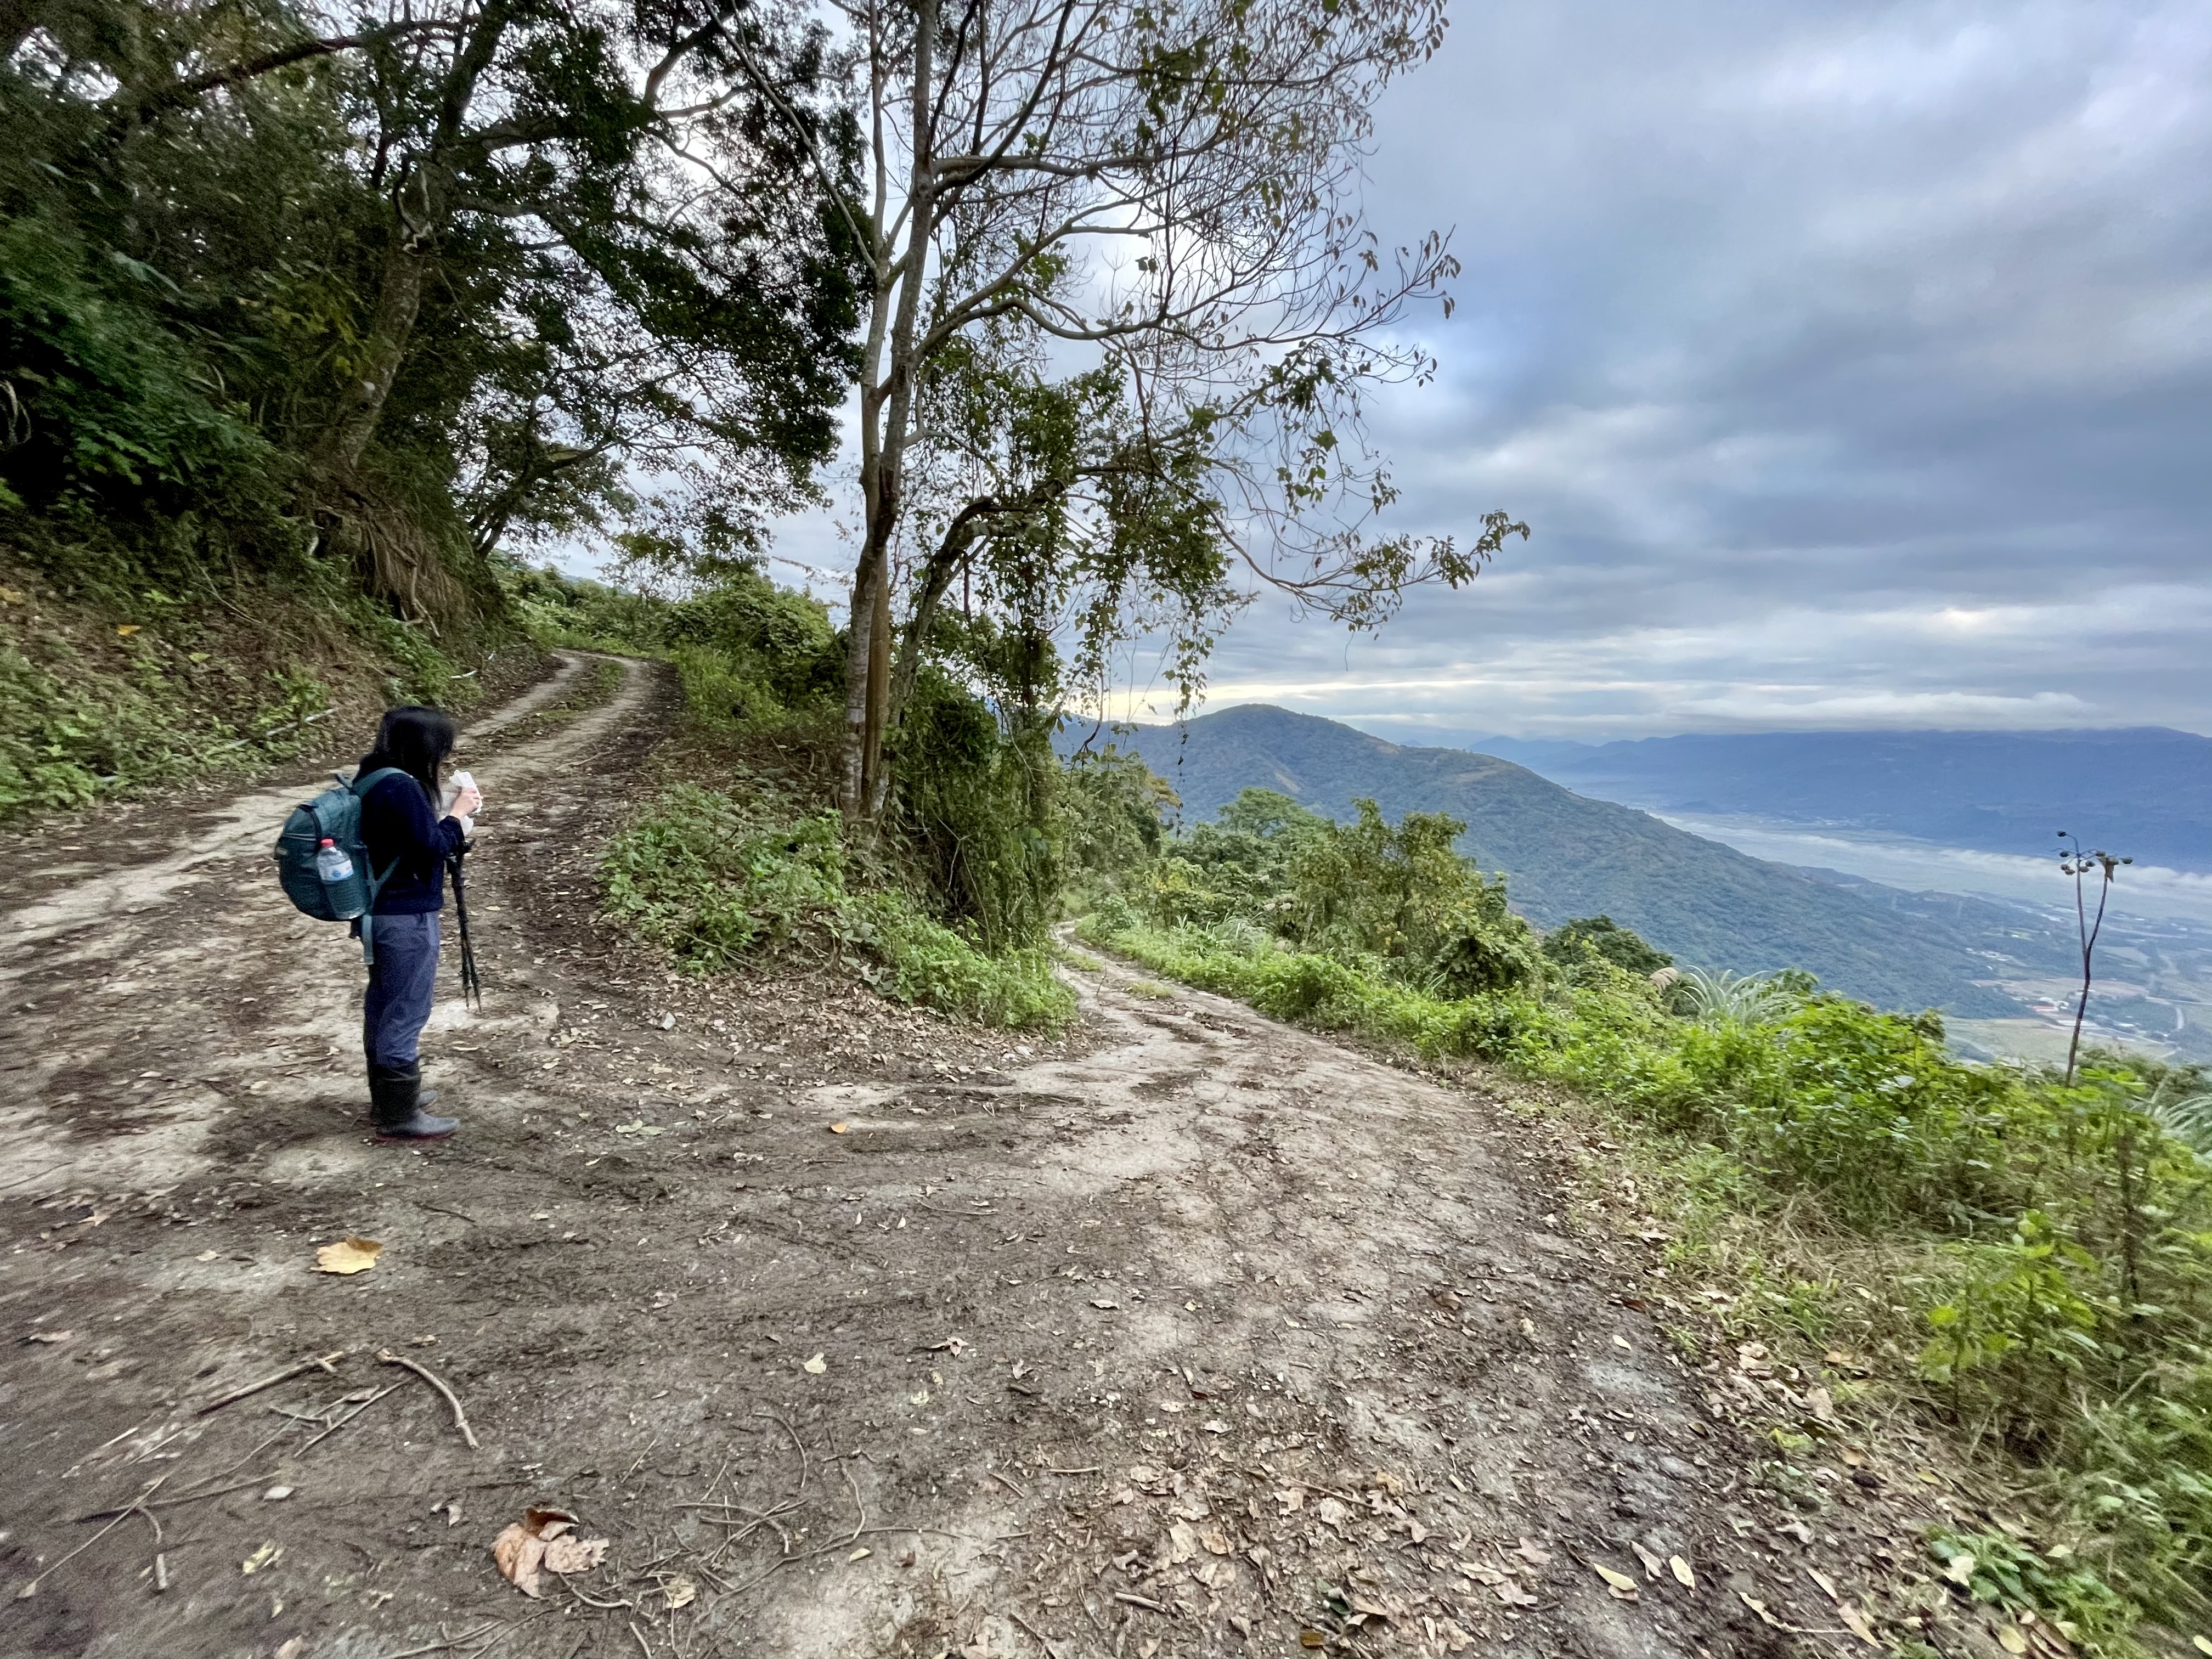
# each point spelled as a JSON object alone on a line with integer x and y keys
{"x": 1852, "y": 362}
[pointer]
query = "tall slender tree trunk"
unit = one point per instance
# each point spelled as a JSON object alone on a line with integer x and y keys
{"x": 886, "y": 408}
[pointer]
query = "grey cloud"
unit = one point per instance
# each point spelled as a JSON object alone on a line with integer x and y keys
{"x": 1791, "y": 328}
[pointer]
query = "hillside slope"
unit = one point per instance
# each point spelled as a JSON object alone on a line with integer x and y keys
{"x": 1566, "y": 855}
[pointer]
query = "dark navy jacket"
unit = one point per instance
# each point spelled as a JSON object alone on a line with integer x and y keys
{"x": 397, "y": 822}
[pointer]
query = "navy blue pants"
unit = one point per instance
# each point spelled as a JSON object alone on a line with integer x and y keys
{"x": 397, "y": 1005}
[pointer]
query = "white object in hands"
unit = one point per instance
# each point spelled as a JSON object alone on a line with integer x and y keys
{"x": 460, "y": 786}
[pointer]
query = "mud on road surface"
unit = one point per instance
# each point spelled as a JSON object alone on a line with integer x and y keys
{"x": 854, "y": 1332}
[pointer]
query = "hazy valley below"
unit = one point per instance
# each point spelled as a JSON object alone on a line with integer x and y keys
{"x": 1985, "y": 932}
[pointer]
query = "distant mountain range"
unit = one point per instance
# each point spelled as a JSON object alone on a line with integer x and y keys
{"x": 1566, "y": 855}
{"x": 2145, "y": 791}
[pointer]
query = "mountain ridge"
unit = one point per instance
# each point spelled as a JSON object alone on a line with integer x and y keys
{"x": 1566, "y": 855}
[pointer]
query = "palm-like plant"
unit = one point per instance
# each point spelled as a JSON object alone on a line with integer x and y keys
{"x": 1715, "y": 996}
{"x": 2186, "y": 1117}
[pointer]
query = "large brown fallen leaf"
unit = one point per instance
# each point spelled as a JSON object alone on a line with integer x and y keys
{"x": 541, "y": 1542}
{"x": 349, "y": 1255}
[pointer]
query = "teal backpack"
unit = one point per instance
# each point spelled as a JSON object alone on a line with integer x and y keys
{"x": 333, "y": 816}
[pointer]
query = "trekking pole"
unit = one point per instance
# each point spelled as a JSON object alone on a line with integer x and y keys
{"x": 471, "y": 987}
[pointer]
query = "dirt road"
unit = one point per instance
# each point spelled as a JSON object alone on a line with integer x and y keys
{"x": 854, "y": 1332}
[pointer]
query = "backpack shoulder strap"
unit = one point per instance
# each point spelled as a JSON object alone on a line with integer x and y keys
{"x": 362, "y": 784}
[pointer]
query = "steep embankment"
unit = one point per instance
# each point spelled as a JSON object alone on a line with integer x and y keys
{"x": 1566, "y": 855}
{"x": 142, "y": 680}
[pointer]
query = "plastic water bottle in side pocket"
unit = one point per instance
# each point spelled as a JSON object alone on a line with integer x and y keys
{"x": 348, "y": 895}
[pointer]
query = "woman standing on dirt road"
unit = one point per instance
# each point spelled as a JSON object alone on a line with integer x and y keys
{"x": 402, "y": 832}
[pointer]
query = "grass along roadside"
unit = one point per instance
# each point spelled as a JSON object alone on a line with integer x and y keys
{"x": 719, "y": 878}
{"x": 2016, "y": 1272}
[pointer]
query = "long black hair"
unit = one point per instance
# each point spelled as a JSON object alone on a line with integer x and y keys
{"x": 416, "y": 740}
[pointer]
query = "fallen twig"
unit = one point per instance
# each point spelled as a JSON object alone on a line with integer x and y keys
{"x": 1043, "y": 1641}
{"x": 32, "y": 1588}
{"x": 172, "y": 1503}
{"x": 322, "y": 1362}
{"x": 344, "y": 1421}
{"x": 460, "y": 1416}
{"x": 443, "y": 1643}
{"x": 1094, "y": 1470}
{"x": 1144, "y": 1601}
{"x": 1007, "y": 1483}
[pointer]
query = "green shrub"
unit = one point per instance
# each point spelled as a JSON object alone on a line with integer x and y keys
{"x": 1571, "y": 943}
{"x": 695, "y": 874}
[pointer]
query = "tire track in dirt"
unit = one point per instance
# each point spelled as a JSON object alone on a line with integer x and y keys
{"x": 129, "y": 981}
{"x": 236, "y": 829}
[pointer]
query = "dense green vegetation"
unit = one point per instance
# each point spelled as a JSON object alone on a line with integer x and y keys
{"x": 301, "y": 332}
{"x": 741, "y": 857}
{"x": 2030, "y": 1263}
{"x": 1570, "y": 856}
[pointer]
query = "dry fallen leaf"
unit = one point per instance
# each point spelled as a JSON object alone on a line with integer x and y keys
{"x": 816, "y": 1366}
{"x": 1827, "y": 1584}
{"x": 1532, "y": 1553}
{"x": 1863, "y": 1630}
{"x": 529, "y": 1544}
{"x": 840, "y": 1129}
{"x": 1216, "y": 1541}
{"x": 51, "y": 1336}
{"x": 1183, "y": 1543}
{"x": 1514, "y": 1596}
{"x": 1759, "y": 1608}
{"x": 267, "y": 1555}
{"x": 1651, "y": 1563}
{"x": 860, "y": 1554}
{"x": 1104, "y": 1302}
{"x": 679, "y": 1593}
{"x": 518, "y": 1553}
{"x": 569, "y": 1553}
{"x": 1683, "y": 1576}
{"x": 2010, "y": 1639}
{"x": 349, "y": 1255}
{"x": 1312, "y": 1639}
{"x": 1618, "y": 1585}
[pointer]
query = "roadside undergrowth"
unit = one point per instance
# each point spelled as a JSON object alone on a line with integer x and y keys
{"x": 1861, "y": 1238}
{"x": 107, "y": 692}
{"x": 738, "y": 856}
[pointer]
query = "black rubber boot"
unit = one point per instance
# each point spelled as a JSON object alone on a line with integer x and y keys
{"x": 423, "y": 1098}
{"x": 396, "y": 1103}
